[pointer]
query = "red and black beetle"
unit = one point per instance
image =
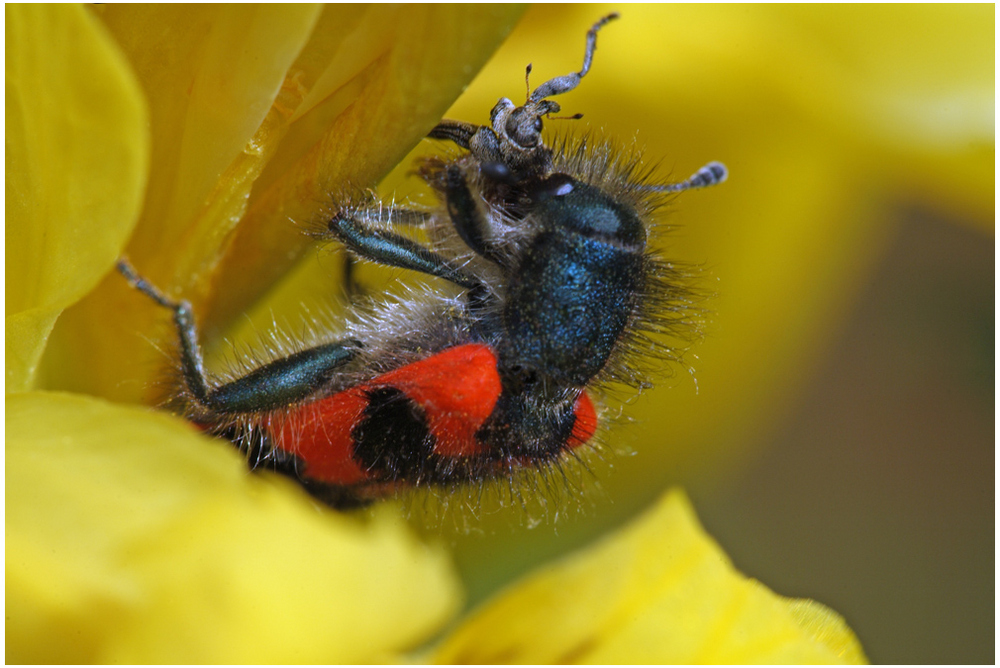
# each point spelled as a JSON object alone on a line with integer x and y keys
{"x": 552, "y": 287}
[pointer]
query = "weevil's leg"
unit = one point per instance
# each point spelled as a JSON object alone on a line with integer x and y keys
{"x": 273, "y": 385}
{"x": 395, "y": 250}
{"x": 568, "y": 82}
{"x": 455, "y": 131}
{"x": 465, "y": 213}
{"x": 711, "y": 174}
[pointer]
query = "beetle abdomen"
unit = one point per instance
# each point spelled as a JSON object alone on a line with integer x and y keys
{"x": 419, "y": 421}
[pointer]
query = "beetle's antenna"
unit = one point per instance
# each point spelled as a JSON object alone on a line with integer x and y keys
{"x": 711, "y": 174}
{"x": 527, "y": 85}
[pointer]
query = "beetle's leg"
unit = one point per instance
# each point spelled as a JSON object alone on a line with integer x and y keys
{"x": 283, "y": 381}
{"x": 397, "y": 217}
{"x": 466, "y": 216}
{"x": 191, "y": 358}
{"x": 395, "y": 250}
{"x": 711, "y": 174}
{"x": 388, "y": 215}
{"x": 274, "y": 385}
{"x": 352, "y": 288}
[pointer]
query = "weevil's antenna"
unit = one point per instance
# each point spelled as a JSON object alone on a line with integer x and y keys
{"x": 527, "y": 84}
{"x": 711, "y": 174}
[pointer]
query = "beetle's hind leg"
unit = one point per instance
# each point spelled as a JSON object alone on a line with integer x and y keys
{"x": 192, "y": 363}
{"x": 274, "y": 385}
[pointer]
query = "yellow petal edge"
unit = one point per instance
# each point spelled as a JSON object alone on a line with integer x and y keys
{"x": 76, "y": 131}
{"x": 131, "y": 538}
{"x": 658, "y": 591}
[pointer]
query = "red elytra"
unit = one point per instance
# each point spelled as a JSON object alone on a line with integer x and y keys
{"x": 457, "y": 390}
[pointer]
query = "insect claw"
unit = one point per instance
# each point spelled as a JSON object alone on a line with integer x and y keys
{"x": 125, "y": 268}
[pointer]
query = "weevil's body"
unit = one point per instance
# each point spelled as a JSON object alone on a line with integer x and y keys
{"x": 553, "y": 283}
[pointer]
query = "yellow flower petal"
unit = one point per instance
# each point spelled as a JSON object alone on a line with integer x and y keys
{"x": 130, "y": 538}
{"x": 212, "y": 74}
{"x": 353, "y": 96}
{"x": 660, "y": 591}
{"x": 375, "y": 97}
{"x": 26, "y": 334}
{"x": 77, "y": 152}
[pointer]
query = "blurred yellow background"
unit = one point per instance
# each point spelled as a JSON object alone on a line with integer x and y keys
{"x": 839, "y": 440}
{"x": 836, "y": 434}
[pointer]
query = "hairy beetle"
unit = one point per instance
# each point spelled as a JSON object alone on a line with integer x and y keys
{"x": 552, "y": 287}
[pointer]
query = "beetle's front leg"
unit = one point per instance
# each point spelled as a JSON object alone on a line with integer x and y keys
{"x": 389, "y": 216}
{"x": 465, "y": 211}
{"x": 395, "y": 250}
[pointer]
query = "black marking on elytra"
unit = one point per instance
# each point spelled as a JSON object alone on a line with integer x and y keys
{"x": 392, "y": 440}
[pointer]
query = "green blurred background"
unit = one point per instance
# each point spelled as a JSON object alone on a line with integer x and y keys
{"x": 838, "y": 440}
